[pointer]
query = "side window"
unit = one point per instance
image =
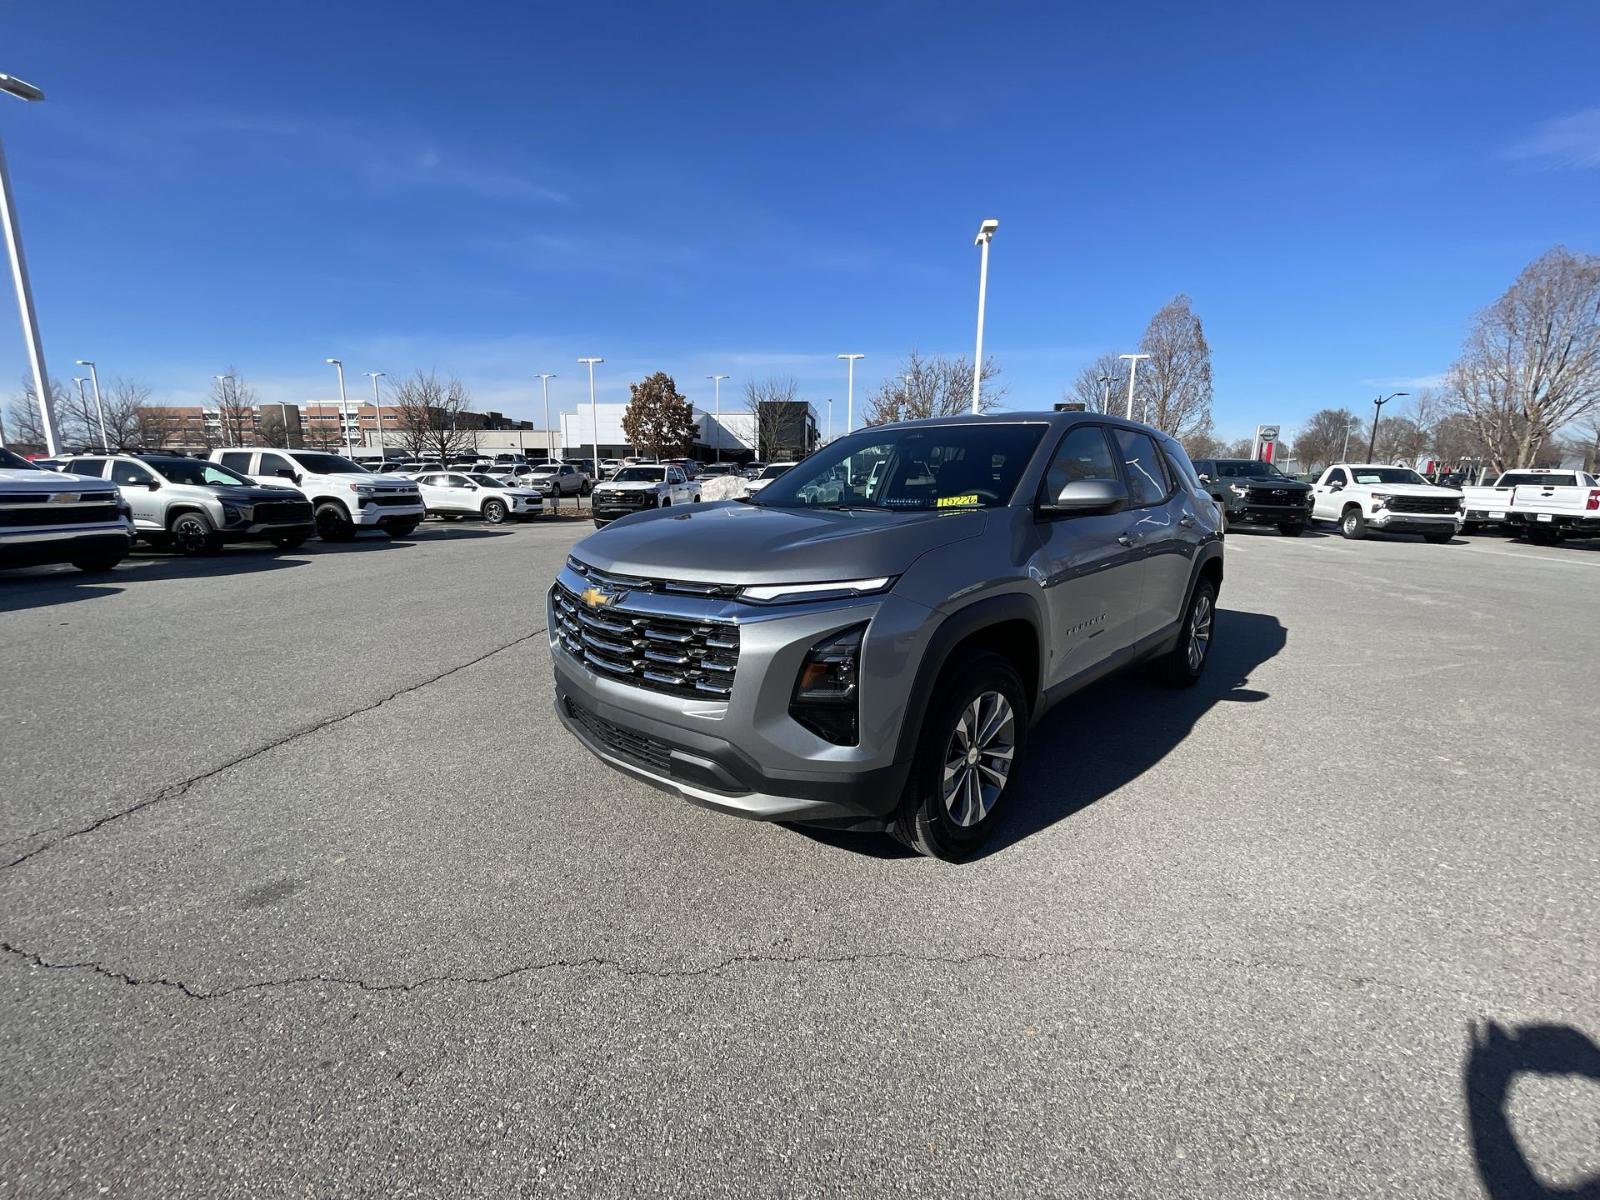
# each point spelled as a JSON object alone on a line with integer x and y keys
{"x": 1176, "y": 464}
{"x": 1337, "y": 476}
{"x": 239, "y": 460}
{"x": 459, "y": 481}
{"x": 568, "y": 471}
{"x": 273, "y": 464}
{"x": 93, "y": 468}
{"x": 675, "y": 476}
{"x": 1147, "y": 473}
{"x": 130, "y": 475}
{"x": 1206, "y": 468}
{"x": 1084, "y": 454}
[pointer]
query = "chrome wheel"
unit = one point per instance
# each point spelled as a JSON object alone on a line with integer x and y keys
{"x": 1199, "y": 631}
{"x": 977, "y": 762}
{"x": 191, "y": 535}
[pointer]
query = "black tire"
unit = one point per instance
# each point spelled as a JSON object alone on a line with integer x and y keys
{"x": 1541, "y": 535}
{"x": 401, "y": 529}
{"x": 104, "y": 561}
{"x": 1439, "y": 539}
{"x": 1292, "y": 528}
{"x": 333, "y": 522}
{"x": 599, "y": 524}
{"x": 696, "y": 500}
{"x": 965, "y": 699}
{"x": 290, "y": 541}
{"x": 495, "y": 512}
{"x": 1352, "y": 524}
{"x": 585, "y": 488}
{"x": 193, "y": 535}
{"x": 1181, "y": 666}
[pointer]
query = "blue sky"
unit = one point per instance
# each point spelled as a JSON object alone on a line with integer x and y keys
{"x": 496, "y": 189}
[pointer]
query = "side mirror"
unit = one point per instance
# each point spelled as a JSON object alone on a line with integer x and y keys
{"x": 286, "y": 473}
{"x": 1205, "y": 478}
{"x": 1336, "y": 487}
{"x": 153, "y": 484}
{"x": 1084, "y": 496}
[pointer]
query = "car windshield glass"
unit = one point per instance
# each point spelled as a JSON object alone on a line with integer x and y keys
{"x": 487, "y": 481}
{"x": 1387, "y": 475}
{"x": 774, "y": 472}
{"x": 911, "y": 467}
{"x": 1247, "y": 469}
{"x": 540, "y": 472}
{"x": 15, "y": 462}
{"x": 640, "y": 475}
{"x": 200, "y": 474}
{"x": 329, "y": 464}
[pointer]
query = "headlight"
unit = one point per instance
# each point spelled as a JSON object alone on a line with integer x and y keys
{"x": 231, "y": 514}
{"x": 825, "y": 698}
{"x": 794, "y": 593}
{"x": 362, "y": 489}
{"x": 1379, "y": 500}
{"x": 1238, "y": 489}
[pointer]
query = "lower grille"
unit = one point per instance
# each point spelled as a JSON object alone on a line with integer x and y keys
{"x": 1424, "y": 504}
{"x": 389, "y": 501}
{"x": 624, "y": 743}
{"x": 83, "y": 512}
{"x": 662, "y": 654}
{"x": 279, "y": 512}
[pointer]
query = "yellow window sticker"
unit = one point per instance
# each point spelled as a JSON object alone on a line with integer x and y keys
{"x": 967, "y": 501}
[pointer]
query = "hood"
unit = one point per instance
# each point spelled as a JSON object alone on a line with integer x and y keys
{"x": 729, "y": 542}
{"x": 1409, "y": 489}
{"x": 376, "y": 481}
{"x": 632, "y": 485}
{"x": 43, "y": 482}
{"x": 237, "y": 493}
{"x": 1272, "y": 481}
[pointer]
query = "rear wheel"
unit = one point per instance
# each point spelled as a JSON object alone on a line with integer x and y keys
{"x": 333, "y": 522}
{"x": 1186, "y": 662}
{"x": 1352, "y": 524}
{"x": 1541, "y": 535}
{"x": 193, "y": 535}
{"x": 495, "y": 512}
{"x": 965, "y": 764}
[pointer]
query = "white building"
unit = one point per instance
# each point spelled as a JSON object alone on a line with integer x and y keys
{"x": 734, "y": 435}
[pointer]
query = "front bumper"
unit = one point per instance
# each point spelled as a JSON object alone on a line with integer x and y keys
{"x": 1243, "y": 513}
{"x": 30, "y": 547}
{"x": 371, "y": 515}
{"x": 1398, "y": 522}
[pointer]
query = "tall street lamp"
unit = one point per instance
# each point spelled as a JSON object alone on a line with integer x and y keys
{"x": 1133, "y": 367}
{"x": 344, "y": 406}
{"x": 830, "y": 418}
{"x": 594, "y": 414}
{"x": 377, "y": 408}
{"x": 1345, "y": 456}
{"x": 850, "y": 395}
{"x": 549, "y": 435}
{"x": 19, "y": 277}
{"x": 1105, "y": 393}
{"x": 985, "y": 233}
{"x": 83, "y": 402}
{"x": 100, "y": 412}
{"x": 1377, "y": 411}
{"x": 716, "y": 383}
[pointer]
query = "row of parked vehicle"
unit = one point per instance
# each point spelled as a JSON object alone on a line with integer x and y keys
{"x": 1545, "y": 506}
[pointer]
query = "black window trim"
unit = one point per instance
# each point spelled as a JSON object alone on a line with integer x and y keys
{"x": 1127, "y": 477}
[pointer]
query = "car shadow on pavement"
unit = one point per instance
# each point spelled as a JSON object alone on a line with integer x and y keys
{"x": 62, "y": 585}
{"x": 1496, "y": 1058}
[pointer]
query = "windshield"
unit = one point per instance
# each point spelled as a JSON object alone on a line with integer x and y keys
{"x": 1386, "y": 475}
{"x": 640, "y": 475}
{"x": 200, "y": 474}
{"x": 15, "y": 462}
{"x": 487, "y": 481}
{"x": 774, "y": 472}
{"x": 910, "y": 468}
{"x": 1247, "y": 469}
{"x": 541, "y": 472}
{"x": 1530, "y": 479}
{"x": 328, "y": 464}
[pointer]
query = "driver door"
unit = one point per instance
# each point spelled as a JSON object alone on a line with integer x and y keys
{"x": 1325, "y": 503}
{"x": 134, "y": 482}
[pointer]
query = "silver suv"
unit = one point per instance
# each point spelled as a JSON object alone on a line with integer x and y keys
{"x": 866, "y": 643}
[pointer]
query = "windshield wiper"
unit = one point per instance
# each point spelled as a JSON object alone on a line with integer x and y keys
{"x": 854, "y": 507}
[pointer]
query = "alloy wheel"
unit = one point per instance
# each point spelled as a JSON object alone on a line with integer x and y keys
{"x": 978, "y": 760}
{"x": 189, "y": 535}
{"x": 1199, "y": 631}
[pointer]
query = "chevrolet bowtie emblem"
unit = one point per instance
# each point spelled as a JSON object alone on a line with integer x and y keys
{"x": 594, "y": 597}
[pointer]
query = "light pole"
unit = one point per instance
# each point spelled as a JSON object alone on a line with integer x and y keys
{"x": 549, "y": 435}
{"x": 1105, "y": 393}
{"x": 850, "y": 395}
{"x": 907, "y": 410}
{"x": 94, "y": 376}
{"x": 985, "y": 233}
{"x": 222, "y": 413}
{"x": 1377, "y": 411}
{"x": 377, "y": 408}
{"x": 716, "y": 383}
{"x": 83, "y": 403}
{"x": 1133, "y": 367}
{"x": 344, "y": 405}
{"x": 19, "y": 277}
{"x": 1345, "y": 456}
{"x": 594, "y": 414}
{"x": 830, "y": 418}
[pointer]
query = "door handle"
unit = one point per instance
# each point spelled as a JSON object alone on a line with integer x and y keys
{"x": 1131, "y": 539}
{"x": 1187, "y": 521}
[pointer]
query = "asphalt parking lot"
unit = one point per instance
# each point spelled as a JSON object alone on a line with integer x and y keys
{"x": 305, "y": 891}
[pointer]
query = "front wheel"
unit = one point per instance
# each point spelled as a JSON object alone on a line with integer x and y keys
{"x": 103, "y": 561}
{"x": 972, "y": 739}
{"x": 333, "y": 522}
{"x": 1292, "y": 528}
{"x": 585, "y": 488}
{"x": 1352, "y": 524}
{"x": 193, "y": 535}
{"x": 1186, "y": 662}
{"x": 495, "y": 512}
{"x": 401, "y": 529}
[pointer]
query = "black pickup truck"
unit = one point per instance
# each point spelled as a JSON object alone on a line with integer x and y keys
{"x": 1256, "y": 493}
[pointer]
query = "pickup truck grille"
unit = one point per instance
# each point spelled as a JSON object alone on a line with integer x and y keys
{"x": 1277, "y": 497}
{"x": 37, "y": 510}
{"x": 393, "y": 499}
{"x": 281, "y": 512}
{"x": 1424, "y": 504}
{"x": 661, "y": 654}
{"x": 624, "y": 743}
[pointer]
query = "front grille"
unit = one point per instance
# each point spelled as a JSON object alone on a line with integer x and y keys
{"x": 633, "y": 499}
{"x": 1424, "y": 504}
{"x": 1276, "y": 497}
{"x": 279, "y": 512}
{"x": 390, "y": 500}
{"x": 634, "y": 583}
{"x": 34, "y": 510}
{"x": 640, "y": 748}
{"x": 662, "y": 654}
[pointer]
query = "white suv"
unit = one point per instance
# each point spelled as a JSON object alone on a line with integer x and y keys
{"x": 345, "y": 497}
{"x": 452, "y": 494}
{"x": 1364, "y": 496}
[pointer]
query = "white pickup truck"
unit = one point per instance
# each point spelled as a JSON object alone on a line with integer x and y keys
{"x": 1561, "y": 505}
{"x": 1490, "y": 507}
{"x": 1362, "y": 497}
{"x": 345, "y": 497}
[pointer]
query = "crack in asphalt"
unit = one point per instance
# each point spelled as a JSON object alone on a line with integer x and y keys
{"x": 625, "y": 970}
{"x": 174, "y": 790}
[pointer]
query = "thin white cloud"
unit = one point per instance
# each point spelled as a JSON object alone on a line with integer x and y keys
{"x": 1409, "y": 381}
{"x": 429, "y": 168}
{"x": 1569, "y": 141}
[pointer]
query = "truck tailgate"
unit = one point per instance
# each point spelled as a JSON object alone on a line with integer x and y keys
{"x": 1566, "y": 501}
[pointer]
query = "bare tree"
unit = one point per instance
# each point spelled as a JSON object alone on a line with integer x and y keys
{"x": 24, "y": 422}
{"x": 235, "y": 402}
{"x": 434, "y": 420}
{"x": 1531, "y": 364}
{"x": 1176, "y": 379}
{"x": 935, "y": 386}
{"x": 1326, "y": 438}
{"x": 1096, "y": 386}
{"x": 767, "y": 401}
{"x": 125, "y": 403}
